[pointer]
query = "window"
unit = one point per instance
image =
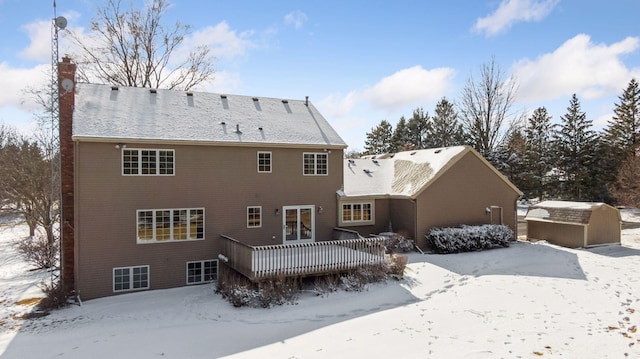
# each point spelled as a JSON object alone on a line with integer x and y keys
{"x": 170, "y": 225}
{"x": 202, "y": 271}
{"x": 147, "y": 162}
{"x": 264, "y": 162}
{"x": 315, "y": 164}
{"x": 130, "y": 278}
{"x": 254, "y": 217}
{"x": 357, "y": 212}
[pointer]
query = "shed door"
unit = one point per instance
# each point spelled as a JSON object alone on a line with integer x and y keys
{"x": 496, "y": 215}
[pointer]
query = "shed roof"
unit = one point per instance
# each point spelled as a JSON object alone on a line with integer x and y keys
{"x": 403, "y": 174}
{"x": 106, "y": 113}
{"x": 578, "y": 213}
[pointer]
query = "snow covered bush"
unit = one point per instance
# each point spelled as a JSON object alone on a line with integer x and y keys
{"x": 241, "y": 292}
{"x": 398, "y": 242}
{"x": 469, "y": 238}
{"x": 396, "y": 264}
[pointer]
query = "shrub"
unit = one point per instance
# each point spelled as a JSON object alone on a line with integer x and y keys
{"x": 396, "y": 265}
{"x": 469, "y": 238}
{"x": 241, "y": 292}
{"x": 38, "y": 251}
{"x": 55, "y": 296}
{"x": 398, "y": 242}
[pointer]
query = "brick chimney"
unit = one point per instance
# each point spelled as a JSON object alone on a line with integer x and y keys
{"x": 66, "y": 73}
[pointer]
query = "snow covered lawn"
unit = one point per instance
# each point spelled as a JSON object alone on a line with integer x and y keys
{"x": 525, "y": 301}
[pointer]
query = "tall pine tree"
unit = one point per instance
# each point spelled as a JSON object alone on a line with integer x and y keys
{"x": 400, "y": 138}
{"x": 538, "y": 155}
{"x": 623, "y": 130}
{"x": 444, "y": 129}
{"x": 418, "y": 128}
{"x": 379, "y": 139}
{"x": 574, "y": 150}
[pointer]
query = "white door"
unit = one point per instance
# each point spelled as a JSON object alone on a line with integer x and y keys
{"x": 298, "y": 223}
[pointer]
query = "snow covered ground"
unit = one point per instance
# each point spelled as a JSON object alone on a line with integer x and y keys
{"x": 525, "y": 301}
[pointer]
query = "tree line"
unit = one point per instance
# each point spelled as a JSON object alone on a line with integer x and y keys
{"x": 567, "y": 160}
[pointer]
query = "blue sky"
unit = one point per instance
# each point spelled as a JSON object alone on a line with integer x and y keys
{"x": 361, "y": 62}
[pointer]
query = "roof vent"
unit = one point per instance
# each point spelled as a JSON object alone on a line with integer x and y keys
{"x": 153, "y": 90}
{"x": 238, "y": 129}
{"x": 366, "y": 171}
{"x": 255, "y": 99}
{"x": 412, "y": 153}
{"x": 306, "y": 100}
{"x": 114, "y": 88}
{"x": 352, "y": 161}
{"x": 285, "y": 101}
{"x": 375, "y": 161}
{"x": 189, "y": 93}
{"x": 223, "y": 96}
{"x": 223, "y": 123}
{"x": 260, "y": 128}
{"x": 438, "y": 151}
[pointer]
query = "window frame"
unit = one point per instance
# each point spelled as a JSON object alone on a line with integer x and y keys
{"x": 202, "y": 272}
{"x": 270, "y": 160}
{"x": 195, "y": 217}
{"x": 259, "y": 219}
{"x": 131, "y": 278}
{"x": 160, "y": 162}
{"x": 357, "y": 218}
{"x": 315, "y": 167}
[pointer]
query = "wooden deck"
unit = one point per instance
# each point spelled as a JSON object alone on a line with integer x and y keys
{"x": 263, "y": 262}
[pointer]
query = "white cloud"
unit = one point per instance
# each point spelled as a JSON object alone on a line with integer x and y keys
{"x": 408, "y": 87}
{"x": 412, "y": 86}
{"x": 511, "y": 11}
{"x": 15, "y": 81}
{"x": 578, "y": 66}
{"x": 296, "y": 18}
{"x": 224, "y": 42}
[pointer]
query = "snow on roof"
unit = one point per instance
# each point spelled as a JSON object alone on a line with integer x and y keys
{"x": 129, "y": 113}
{"x": 563, "y": 211}
{"x": 403, "y": 174}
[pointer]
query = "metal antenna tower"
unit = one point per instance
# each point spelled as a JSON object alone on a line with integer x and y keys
{"x": 58, "y": 23}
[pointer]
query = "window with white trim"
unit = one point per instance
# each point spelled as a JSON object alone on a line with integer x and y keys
{"x": 130, "y": 278}
{"x": 357, "y": 212}
{"x": 202, "y": 271}
{"x": 264, "y": 162}
{"x": 315, "y": 164}
{"x": 254, "y": 217}
{"x": 147, "y": 162}
{"x": 170, "y": 225}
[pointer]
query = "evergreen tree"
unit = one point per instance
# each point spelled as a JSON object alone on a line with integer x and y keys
{"x": 574, "y": 148}
{"x": 400, "y": 138}
{"x": 538, "y": 156}
{"x": 509, "y": 158}
{"x": 444, "y": 129}
{"x": 379, "y": 139}
{"x": 623, "y": 130}
{"x": 418, "y": 125}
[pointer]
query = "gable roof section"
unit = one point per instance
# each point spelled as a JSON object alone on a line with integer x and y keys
{"x": 103, "y": 113}
{"x": 403, "y": 174}
{"x": 578, "y": 213}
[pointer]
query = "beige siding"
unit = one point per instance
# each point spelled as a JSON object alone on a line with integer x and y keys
{"x": 562, "y": 234}
{"x": 461, "y": 196}
{"x": 222, "y": 180}
{"x": 604, "y": 226}
{"x": 381, "y": 212}
{"x": 402, "y": 213}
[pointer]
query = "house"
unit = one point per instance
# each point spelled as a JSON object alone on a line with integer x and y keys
{"x": 415, "y": 191}
{"x": 158, "y": 186}
{"x": 573, "y": 224}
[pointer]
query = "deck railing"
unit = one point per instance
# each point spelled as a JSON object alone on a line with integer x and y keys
{"x": 261, "y": 262}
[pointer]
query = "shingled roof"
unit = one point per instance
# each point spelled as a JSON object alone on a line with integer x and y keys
{"x": 563, "y": 211}
{"x": 403, "y": 174}
{"x": 106, "y": 113}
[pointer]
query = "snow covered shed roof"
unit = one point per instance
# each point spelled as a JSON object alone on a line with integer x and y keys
{"x": 403, "y": 174}
{"x": 564, "y": 211}
{"x": 106, "y": 113}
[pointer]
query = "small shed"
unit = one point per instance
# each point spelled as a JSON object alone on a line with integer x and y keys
{"x": 573, "y": 224}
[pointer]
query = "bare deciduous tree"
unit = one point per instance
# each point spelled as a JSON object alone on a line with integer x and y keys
{"x": 133, "y": 48}
{"x": 485, "y": 108}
